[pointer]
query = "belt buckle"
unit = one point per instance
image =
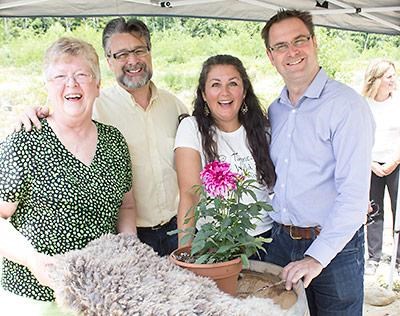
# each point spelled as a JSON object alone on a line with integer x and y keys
{"x": 157, "y": 227}
{"x": 291, "y": 234}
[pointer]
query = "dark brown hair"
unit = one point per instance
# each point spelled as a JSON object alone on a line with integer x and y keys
{"x": 255, "y": 121}
{"x": 287, "y": 14}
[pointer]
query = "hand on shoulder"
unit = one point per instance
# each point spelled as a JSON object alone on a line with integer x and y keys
{"x": 31, "y": 117}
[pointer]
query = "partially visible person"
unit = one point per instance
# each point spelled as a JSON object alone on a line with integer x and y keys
{"x": 228, "y": 125}
{"x": 148, "y": 119}
{"x": 66, "y": 184}
{"x": 322, "y": 136}
{"x": 379, "y": 89}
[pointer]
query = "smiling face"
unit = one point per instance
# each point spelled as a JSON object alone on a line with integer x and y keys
{"x": 134, "y": 72}
{"x": 224, "y": 94}
{"x": 297, "y": 64}
{"x": 72, "y": 87}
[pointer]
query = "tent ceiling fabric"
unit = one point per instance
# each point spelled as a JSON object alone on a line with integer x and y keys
{"x": 376, "y": 16}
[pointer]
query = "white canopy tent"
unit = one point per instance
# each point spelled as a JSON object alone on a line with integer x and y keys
{"x": 376, "y": 16}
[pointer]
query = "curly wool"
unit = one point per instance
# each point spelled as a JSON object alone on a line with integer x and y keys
{"x": 118, "y": 275}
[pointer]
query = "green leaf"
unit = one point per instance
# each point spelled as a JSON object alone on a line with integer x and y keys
{"x": 245, "y": 261}
{"x": 225, "y": 248}
{"x": 203, "y": 259}
{"x": 186, "y": 239}
{"x": 173, "y": 232}
{"x": 197, "y": 245}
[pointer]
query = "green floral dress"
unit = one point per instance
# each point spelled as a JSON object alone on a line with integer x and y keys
{"x": 63, "y": 204}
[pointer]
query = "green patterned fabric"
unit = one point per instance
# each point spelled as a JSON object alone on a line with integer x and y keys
{"x": 63, "y": 204}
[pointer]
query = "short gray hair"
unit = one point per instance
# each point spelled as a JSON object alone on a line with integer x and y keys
{"x": 69, "y": 46}
{"x": 119, "y": 25}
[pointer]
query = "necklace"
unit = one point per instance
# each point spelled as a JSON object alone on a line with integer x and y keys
{"x": 228, "y": 144}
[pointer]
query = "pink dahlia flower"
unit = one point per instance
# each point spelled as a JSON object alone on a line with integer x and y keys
{"x": 218, "y": 179}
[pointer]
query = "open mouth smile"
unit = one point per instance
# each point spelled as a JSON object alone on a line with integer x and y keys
{"x": 73, "y": 97}
{"x": 134, "y": 69}
{"x": 296, "y": 62}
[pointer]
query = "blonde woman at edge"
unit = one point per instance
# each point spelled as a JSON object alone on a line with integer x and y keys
{"x": 379, "y": 90}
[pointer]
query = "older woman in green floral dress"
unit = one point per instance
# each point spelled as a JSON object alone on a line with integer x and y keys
{"x": 66, "y": 184}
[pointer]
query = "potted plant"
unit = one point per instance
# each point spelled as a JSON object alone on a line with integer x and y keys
{"x": 224, "y": 235}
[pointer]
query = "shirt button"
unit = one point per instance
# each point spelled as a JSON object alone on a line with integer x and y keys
{"x": 284, "y": 210}
{"x": 294, "y": 111}
{"x": 286, "y": 160}
{"x": 289, "y": 135}
{"x": 282, "y": 185}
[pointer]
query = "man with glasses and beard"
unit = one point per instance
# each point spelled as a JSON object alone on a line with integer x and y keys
{"x": 322, "y": 136}
{"x": 148, "y": 118}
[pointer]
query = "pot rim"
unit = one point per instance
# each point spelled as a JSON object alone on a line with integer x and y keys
{"x": 204, "y": 265}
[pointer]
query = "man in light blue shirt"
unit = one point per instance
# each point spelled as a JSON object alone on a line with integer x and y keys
{"x": 322, "y": 136}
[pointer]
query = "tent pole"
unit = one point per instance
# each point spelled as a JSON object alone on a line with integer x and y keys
{"x": 396, "y": 234}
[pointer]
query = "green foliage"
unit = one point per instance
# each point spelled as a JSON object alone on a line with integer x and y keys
{"x": 334, "y": 49}
{"x": 180, "y": 45}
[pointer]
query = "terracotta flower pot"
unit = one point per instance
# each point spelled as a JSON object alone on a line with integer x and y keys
{"x": 225, "y": 274}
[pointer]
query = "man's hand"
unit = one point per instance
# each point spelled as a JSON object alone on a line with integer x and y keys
{"x": 31, "y": 116}
{"x": 307, "y": 268}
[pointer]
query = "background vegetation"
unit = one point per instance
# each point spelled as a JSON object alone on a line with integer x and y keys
{"x": 180, "y": 45}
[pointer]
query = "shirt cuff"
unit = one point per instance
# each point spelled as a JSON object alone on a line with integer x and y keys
{"x": 321, "y": 252}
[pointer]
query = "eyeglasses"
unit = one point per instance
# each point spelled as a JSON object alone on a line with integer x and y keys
{"x": 124, "y": 54}
{"x": 79, "y": 77}
{"x": 284, "y": 46}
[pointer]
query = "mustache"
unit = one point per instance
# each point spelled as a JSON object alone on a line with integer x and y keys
{"x": 134, "y": 67}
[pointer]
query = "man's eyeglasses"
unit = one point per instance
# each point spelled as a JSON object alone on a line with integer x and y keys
{"x": 79, "y": 77}
{"x": 124, "y": 54}
{"x": 284, "y": 46}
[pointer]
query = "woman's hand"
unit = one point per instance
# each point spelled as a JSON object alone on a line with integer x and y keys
{"x": 39, "y": 264}
{"x": 378, "y": 169}
{"x": 389, "y": 167}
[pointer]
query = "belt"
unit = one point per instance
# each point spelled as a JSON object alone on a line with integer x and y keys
{"x": 159, "y": 226}
{"x": 299, "y": 233}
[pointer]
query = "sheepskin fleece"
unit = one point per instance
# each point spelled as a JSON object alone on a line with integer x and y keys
{"x": 119, "y": 275}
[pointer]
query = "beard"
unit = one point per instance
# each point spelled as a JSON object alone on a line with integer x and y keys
{"x": 138, "y": 82}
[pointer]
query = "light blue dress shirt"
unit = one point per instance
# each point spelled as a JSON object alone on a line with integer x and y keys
{"x": 321, "y": 148}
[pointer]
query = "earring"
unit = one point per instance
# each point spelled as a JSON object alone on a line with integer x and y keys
{"x": 244, "y": 109}
{"x": 206, "y": 109}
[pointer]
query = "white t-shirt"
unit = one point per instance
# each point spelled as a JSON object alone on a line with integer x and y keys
{"x": 232, "y": 148}
{"x": 387, "y": 132}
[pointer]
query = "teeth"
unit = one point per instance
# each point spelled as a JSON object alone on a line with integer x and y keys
{"x": 296, "y": 62}
{"x": 225, "y": 102}
{"x": 134, "y": 71}
{"x": 73, "y": 96}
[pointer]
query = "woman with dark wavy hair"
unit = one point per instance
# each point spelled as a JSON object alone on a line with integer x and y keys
{"x": 228, "y": 124}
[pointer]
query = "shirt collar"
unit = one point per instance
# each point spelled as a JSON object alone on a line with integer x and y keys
{"x": 153, "y": 90}
{"x": 313, "y": 91}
